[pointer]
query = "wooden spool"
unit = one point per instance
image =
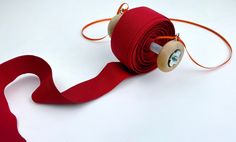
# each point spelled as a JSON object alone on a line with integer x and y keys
{"x": 166, "y": 53}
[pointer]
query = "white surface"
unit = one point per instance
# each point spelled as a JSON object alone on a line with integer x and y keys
{"x": 186, "y": 105}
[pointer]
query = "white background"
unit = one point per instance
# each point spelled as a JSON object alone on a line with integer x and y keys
{"x": 186, "y": 105}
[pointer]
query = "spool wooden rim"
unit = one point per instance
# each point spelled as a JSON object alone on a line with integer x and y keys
{"x": 167, "y": 50}
{"x": 113, "y": 23}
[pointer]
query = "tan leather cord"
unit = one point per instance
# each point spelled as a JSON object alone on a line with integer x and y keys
{"x": 90, "y": 24}
{"x": 123, "y": 8}
{"x": 215, "y": 33}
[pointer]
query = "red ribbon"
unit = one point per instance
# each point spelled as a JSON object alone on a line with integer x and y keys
{"x": 47, "y": 93}
{"x": 130, "y": 43}
{"x": 133, "y": 35}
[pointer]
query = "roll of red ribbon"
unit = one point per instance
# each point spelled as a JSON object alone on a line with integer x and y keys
{"x": 133, "y": 35}
{"x": 130, "y": 43}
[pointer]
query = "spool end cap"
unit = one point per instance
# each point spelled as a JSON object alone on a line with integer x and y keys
{"x": 170, "y": 55}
